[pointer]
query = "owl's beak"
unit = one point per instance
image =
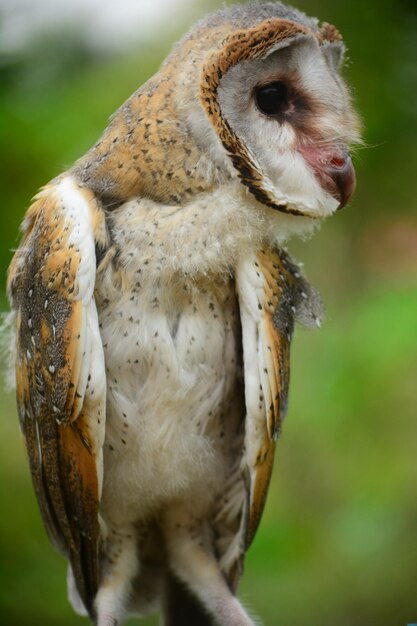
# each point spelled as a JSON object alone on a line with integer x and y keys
{"x": 333, "y": 168}
{"x": 340, "y": 178}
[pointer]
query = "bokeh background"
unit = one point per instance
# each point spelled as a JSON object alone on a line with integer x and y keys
{"x": 338, "y": 542}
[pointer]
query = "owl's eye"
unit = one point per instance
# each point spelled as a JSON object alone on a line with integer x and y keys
{"x": 273, "y": 98}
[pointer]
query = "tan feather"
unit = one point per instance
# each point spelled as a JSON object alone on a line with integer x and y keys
{"x": 282, "y": 297}
{"x": 54, "y": 353}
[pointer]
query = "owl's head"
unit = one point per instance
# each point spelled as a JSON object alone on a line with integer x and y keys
{"x": 262, "y": 93}
{"x": 252, "y": 93}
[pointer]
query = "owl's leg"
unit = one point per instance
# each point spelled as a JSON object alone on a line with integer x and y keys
{"x": 119, "y": 567}
{"x": 193, "y": 563}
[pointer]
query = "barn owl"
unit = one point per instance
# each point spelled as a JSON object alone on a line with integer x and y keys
{"x": 154, "y": 307}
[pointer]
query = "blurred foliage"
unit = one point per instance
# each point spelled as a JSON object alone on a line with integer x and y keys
{"x": 338, "y": 541}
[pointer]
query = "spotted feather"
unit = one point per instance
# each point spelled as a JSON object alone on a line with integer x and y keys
{"x": 60, "y": 375}
{"x": 273, "y": 295}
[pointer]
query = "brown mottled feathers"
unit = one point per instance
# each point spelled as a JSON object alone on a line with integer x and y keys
{"x": 273, "y": 295}
{"x": 329, "y": 34}
{"x": 56, "y": 345}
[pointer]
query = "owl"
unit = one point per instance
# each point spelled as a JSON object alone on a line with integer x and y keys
{"x": 154, "y": 306}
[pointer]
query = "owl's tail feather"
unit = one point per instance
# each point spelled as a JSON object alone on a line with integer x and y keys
{"x": 181, "y": 607}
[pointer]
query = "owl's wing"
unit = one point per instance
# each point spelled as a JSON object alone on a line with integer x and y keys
{"x": 60, "y": 373}
{"x": 272, "y": 296}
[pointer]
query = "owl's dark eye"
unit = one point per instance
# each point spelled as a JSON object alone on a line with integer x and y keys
{"x": 273, "y": 98}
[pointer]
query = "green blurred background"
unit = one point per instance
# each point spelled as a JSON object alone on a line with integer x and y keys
{"x": 338, "y": 542}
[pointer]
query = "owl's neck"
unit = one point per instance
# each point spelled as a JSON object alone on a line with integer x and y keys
{"x": 206, "y": 236}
